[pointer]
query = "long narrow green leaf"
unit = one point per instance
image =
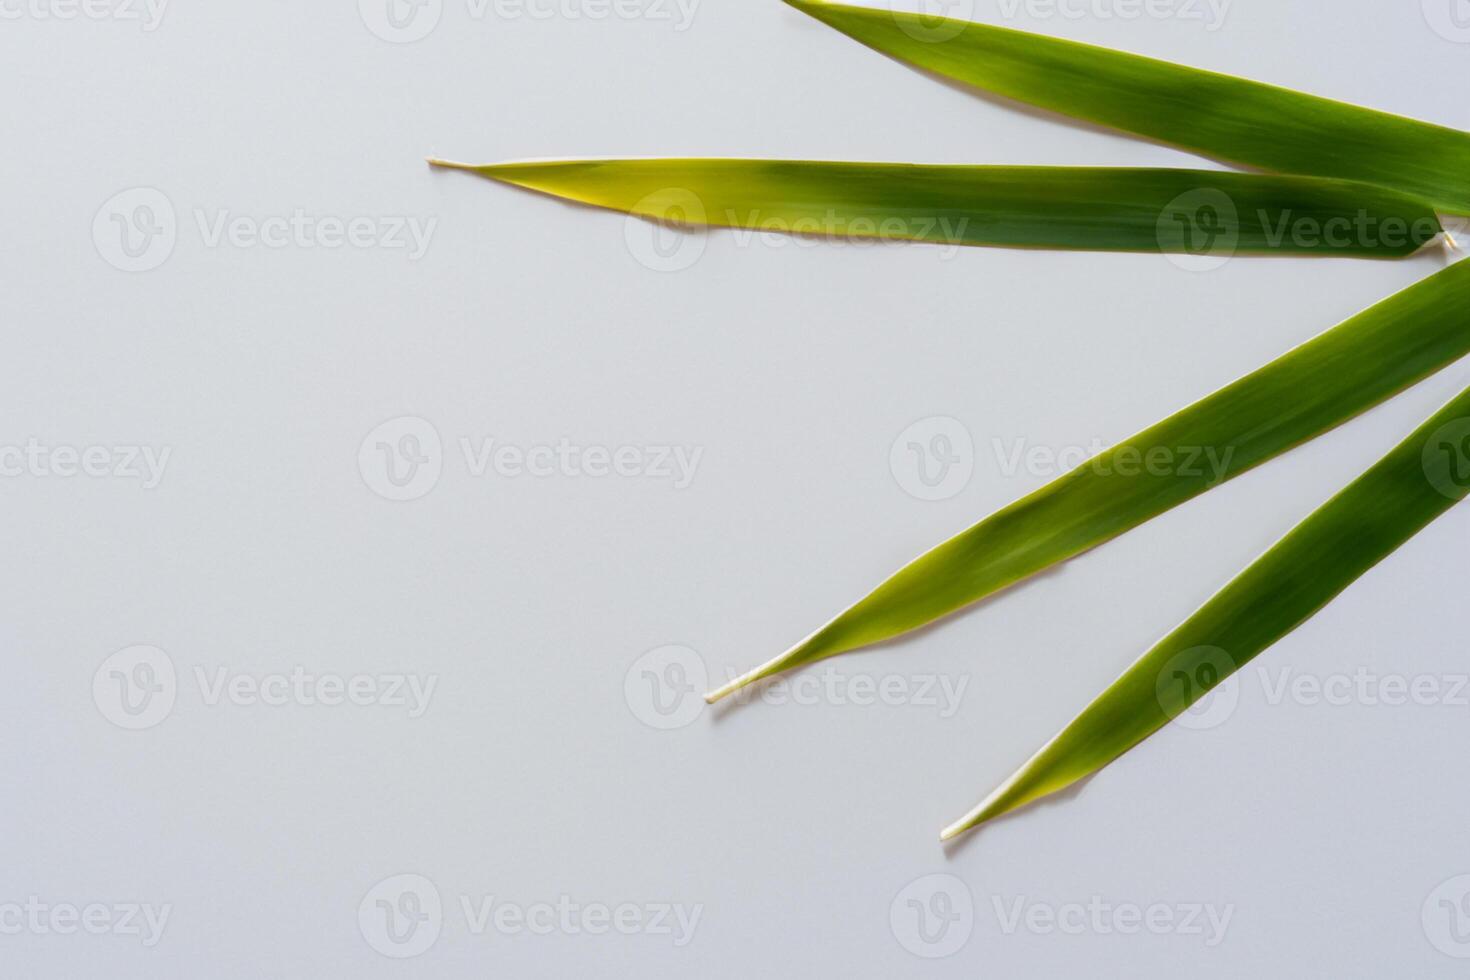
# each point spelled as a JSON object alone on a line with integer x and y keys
{"x": 1298, "y": 396}
{"x": 1051, "y": 207}
{"x": 1218, "y": 115}
{"x": 1423, "y": 476}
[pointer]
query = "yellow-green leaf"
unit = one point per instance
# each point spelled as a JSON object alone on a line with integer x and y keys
{"x": 1186, "y": 211}
{"x": 1418, "y": 481}
{"x": 1297, "y": 397}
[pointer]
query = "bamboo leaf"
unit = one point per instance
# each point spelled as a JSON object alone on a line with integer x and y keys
{"x": 1302, "y": 394}
{"x": 1217, "y": 115}
{"x": 1202, "y": 212}
{"x": 1418, "y": 481}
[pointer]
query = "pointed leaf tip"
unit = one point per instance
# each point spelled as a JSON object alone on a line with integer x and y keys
{"x": 448, "y": 164}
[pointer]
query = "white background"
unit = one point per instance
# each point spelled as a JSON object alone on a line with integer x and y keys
{"x": 797, "y": 828}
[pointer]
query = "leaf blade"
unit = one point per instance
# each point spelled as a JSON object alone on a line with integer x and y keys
{"x": 1217, "y": 115}
{"x": 1095, "y": 208}
{"x": 1308, "y": 391}
{"x": 1336, "y": 545}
